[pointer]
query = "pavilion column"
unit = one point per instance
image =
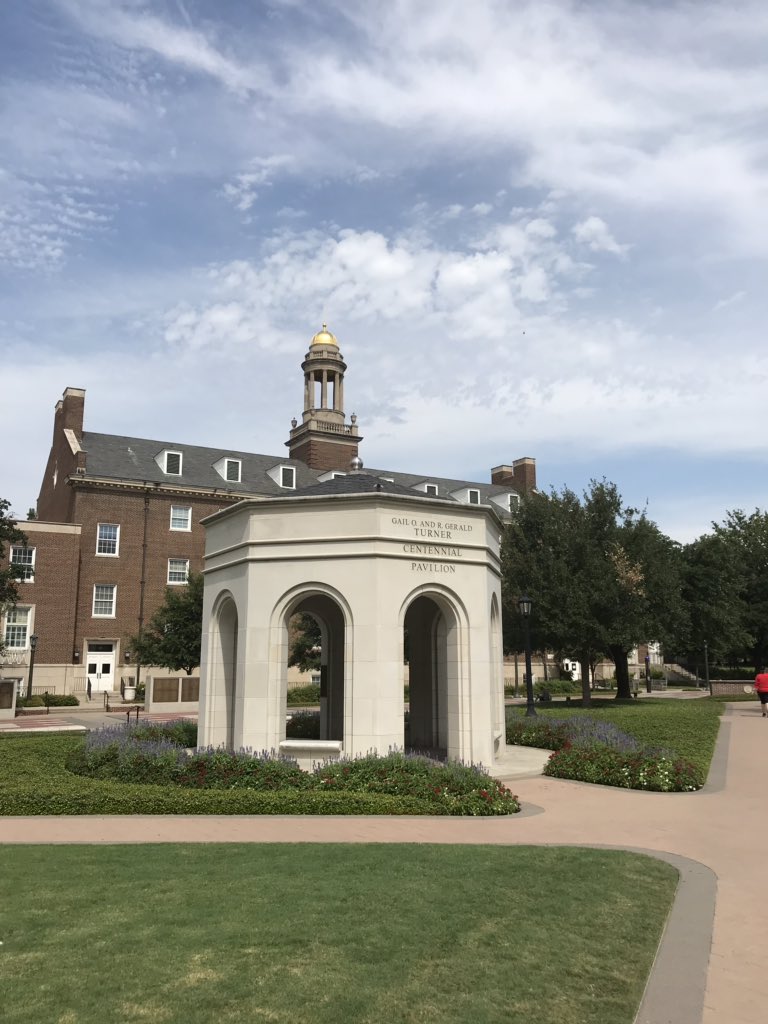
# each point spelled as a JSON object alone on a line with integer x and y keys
{"x": 324, "y": 395}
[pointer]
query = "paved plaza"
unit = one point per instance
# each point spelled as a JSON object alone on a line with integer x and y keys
{"x": 718, "y": 837}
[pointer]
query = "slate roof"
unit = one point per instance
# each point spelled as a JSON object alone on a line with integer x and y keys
{"x": 112, "y": 457}
{"x": 358, "y": 483}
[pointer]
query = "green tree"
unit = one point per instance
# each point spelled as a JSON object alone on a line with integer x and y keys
{"x": 547, "y": 555}
{"x": 305, "y": 642}
{"x": 172, "y": 638}
{"x": 714, "y": 588}
{"x": 9, "y": 574}
{"x": 602, "y": 577}
{"x": 746, "y": 539}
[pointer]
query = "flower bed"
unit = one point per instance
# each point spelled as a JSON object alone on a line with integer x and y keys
{"x": 156, "y": 755}
{"x": 588, "y": 750}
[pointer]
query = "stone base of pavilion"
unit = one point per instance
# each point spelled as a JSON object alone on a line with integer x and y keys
{"x": 514, "y": 762}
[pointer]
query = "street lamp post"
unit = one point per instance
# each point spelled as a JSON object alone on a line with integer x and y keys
{"x": 706, "y": 665}
{"x": 524, "y": 605}
{"x": 32, "y": 646}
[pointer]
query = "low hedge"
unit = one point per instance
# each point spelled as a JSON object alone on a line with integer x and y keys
{"x": 48, "y": 700}
{"x": 34, "y": 780}
{"x": 116, "y": 798}
{"x": 130, "y": 755}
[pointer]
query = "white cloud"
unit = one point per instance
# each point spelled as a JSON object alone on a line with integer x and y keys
{"x": 242, "y": 190}
{"x": 594, "y": 233}
{"x": 134, "y": 26}
{"x": 732, "y": 300}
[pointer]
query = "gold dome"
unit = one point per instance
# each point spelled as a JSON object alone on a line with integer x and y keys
{"x": 324, "y": 337}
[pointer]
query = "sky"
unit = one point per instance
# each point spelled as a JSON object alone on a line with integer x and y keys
{"x": 536, "y": 228}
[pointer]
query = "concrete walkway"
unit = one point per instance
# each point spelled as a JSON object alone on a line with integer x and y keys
{"x": 724, "y": 826}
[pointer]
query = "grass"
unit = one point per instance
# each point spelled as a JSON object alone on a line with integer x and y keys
{"x": 687, "y": 727}
{"x": 316, "y": 934}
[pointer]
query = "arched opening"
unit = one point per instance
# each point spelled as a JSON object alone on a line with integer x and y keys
{"x": 221, "y": 725}
{"x": 330, "y": 620}
{"x": 431, "y": 649}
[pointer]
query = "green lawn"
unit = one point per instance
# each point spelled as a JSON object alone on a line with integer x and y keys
{"x": 320, "y": 934}
{"x": 687, "y": 727}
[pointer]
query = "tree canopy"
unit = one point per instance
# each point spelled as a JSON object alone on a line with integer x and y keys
{"x": 173, "y": 637}
{"x": 304, "y": 643}
{"x": 726, "y": 590}
{"x": 601, "y": 575}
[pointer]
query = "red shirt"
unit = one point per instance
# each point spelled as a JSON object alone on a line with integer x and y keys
{"x": 761, "y": 682}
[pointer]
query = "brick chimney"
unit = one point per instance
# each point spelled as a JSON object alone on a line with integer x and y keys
{"x": 70, "y": 411}
{"x": 521, "y": 475}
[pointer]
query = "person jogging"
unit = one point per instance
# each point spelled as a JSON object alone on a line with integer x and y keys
{"x": 761, "y": 689}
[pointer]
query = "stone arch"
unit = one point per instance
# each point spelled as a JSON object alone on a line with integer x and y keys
{"x": 223, "y": 718}
{"x": 332, "y": 612}
{"x": 436, "y": 622}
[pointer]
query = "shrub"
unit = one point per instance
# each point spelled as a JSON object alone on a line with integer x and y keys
{"x": 35, "y": 701}
{"x": 662, "y": 745}
{"x": 300, "y": 695}
{"x": 557, "y": 686}
{"x": 303, "y": 725}
{"x": 49, "y": 700}
{"x": 457, "y": 788}
{"x": 146, "y": 755}
{"x": 642, "y": 770}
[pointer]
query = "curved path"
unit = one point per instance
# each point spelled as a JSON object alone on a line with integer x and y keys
{"x": 724, "y": 827}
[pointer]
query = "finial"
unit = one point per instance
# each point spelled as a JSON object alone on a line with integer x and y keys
{"x": 353, "y": 418}
{"x": 294, "y": 422}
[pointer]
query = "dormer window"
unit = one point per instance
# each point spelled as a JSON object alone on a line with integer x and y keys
{"x": 172, "y": 463}
{"x": 514, "y": 502}
{"x": 229, "y": 469}
{"x": 283, "y": 476}
{"x": 473, "y": 496}
{"x": 431, "y": 489}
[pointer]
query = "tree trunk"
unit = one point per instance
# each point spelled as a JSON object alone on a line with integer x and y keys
{"x": 544, "y": 664}
{"x": 619, "y": 657}
{"x": 586, "y": 693}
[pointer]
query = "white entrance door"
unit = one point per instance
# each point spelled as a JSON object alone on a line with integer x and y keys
{"x": 100, "y": 666}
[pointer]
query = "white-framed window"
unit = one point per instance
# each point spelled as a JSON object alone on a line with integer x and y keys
{"x": 24, "y": 556}
{"x": 108, "y": 539}
{"x": 16, "y": 634}
{"x": 431, "y": 489}
{"x": 473, "y": 496}
{"x": 288, "y": 476}
{"x": 514, "y": 502}
{"x": 173, "y": 463}
{"x": 181, "y": 517}
{"x": 178, "y": 570}
{"x": 232, "y": 470}
{"x": 104, "y": 600}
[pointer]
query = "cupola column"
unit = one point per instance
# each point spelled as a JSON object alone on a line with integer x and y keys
{"x": 324, "y": 440}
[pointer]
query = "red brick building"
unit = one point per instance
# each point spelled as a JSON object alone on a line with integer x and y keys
{"x": 119, "y": 521}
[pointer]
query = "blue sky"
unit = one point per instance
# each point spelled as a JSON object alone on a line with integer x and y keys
{"x": 536, "y": 228}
